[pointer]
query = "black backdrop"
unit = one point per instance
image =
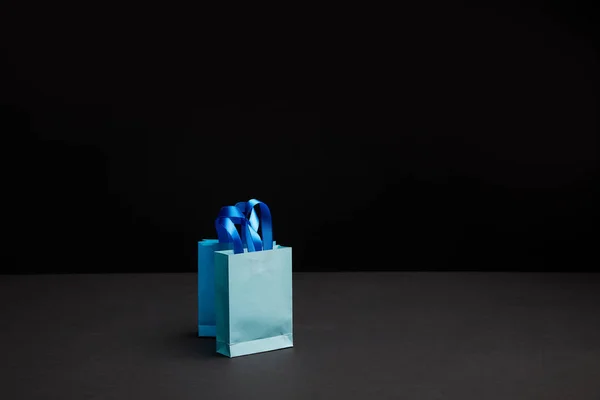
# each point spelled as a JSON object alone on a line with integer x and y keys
{"x": 442, "y": 137}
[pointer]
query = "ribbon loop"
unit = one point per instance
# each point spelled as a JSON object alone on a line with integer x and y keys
{"x": 235, "y": 216}
{"x": 244, "y": 214}
{"x": 227, "y": 232}
{"x": 265, "y": 222}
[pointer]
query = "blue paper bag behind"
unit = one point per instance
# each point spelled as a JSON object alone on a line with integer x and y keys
{"x": 206, "y": 286}
{"x": 253, "y": 301}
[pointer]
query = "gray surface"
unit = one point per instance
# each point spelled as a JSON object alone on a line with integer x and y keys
{"x": 419, "y": 336}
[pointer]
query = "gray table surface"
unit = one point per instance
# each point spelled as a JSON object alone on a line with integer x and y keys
{"x": 414, "y": 335}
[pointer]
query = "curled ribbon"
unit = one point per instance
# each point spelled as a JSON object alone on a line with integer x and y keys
{"x": 244, "y": 214}
{"x": 265, "y": 220}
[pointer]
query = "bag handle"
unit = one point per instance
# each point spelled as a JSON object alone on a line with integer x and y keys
{"x": 254, "y": 223}
{"x": 244, "y": 214}
{"x": 226, "y": 222}
{"x": 228, "y": 233}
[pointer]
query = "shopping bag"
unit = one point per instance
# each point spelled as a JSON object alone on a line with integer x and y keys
{"x": 253, "y": 288}
{"x": 206, "y": 266}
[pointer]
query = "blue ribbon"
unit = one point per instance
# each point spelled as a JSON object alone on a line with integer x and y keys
{"x": 226, "y": 230}
{"x": 244, "y": 214}
{"x": 228, "y": 233}
{"x": 265, "y": 220}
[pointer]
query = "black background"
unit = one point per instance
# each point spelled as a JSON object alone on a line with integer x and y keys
{"x": 435, "y": 137}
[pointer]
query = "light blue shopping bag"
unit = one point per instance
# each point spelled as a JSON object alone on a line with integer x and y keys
{"x": 253, "y": 288}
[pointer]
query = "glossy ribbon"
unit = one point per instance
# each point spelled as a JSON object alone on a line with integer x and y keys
{"x": 228, "y": 233}
{"x": 265, "y": 223}
{"x": 244, "y": 214}
{"x": 226, "y": 230}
